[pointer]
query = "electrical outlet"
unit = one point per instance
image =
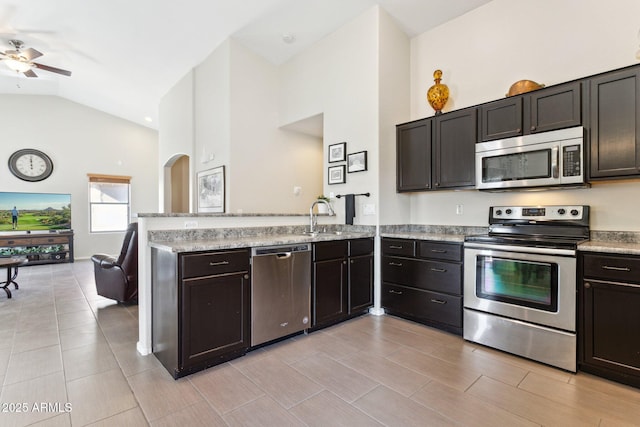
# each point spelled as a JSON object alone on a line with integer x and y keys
{"x": 458, "y": 209}
{"x": 368, "y": 209}
{"x": 297, "y": 190}
{"x": 191, "y": 224}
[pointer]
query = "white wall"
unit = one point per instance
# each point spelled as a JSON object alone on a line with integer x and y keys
{"x": 485, "y": 51}
{"x": 338, "y": 77}
{"x": 79, "y": 140}
{"x": 176, "y": 130}
{"x": 266, "y": 162}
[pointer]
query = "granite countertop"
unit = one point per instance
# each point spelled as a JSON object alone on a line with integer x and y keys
{"x": 253, "y": 241}
{"x": 418, "y": 235}
{"x": 610, "y": 246}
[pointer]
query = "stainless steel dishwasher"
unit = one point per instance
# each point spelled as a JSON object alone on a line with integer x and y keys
{"x": 280, "y": 291}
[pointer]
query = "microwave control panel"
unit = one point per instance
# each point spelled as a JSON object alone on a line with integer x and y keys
{"x": 571, "y": 160}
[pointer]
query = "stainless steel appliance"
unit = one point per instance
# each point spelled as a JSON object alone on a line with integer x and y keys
{"x": 520, "y": 282}
{"x": 280, "y": 291}
{"x": 554, "y": 158}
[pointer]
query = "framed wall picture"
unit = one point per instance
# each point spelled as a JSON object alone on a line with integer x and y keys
{"x": 357, "y": 162}
{"x": 337, "y": 175}
{"x": 211, "y": 190}
{"x": 337, "y": 152}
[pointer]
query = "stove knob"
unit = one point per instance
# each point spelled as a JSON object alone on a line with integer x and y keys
{"x": 562, "y": 211}
{"x": 508, "y": 211}
{"x": 498, "y": 212}
{"x": 574, "y": 212}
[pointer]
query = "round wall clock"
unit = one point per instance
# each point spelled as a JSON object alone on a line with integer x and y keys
{"x": 30, "y": 165}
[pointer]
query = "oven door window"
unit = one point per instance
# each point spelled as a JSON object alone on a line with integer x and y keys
{"x": 524, "y": 283}
{"x": 517, "y": 166}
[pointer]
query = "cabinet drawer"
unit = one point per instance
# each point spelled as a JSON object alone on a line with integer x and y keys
{"x": 423, "y": 274}
{"x": 53, "y": 240}
{"x": 426, "y": 305}
{"x": 399, "y": 247}
{"x": 330, "y": 250}
{"x": 360, "y": 247}
{"x": 15, "y": 242}
{"x": 440, "y": 250}
{"x": 612, "y": 268}
{"x": 212, "y": 263}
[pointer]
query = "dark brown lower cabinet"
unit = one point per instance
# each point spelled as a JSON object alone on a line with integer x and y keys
{"x": 200, "y": 308}
{"x": 422, "y": 281}
{"x": 342, "y": 282}
{"x": 609, "y": 317}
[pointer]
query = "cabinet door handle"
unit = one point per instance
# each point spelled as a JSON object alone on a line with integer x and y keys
{"x": 395, "y": 247}
{"x": 213, "y": 264}
{"x": 439, "y": 270}
{"x": 438, "y": 301}
{"x": 438, "y": 251}
{"x": 396, "y": 264}
{"x": 395, "y": 292}
{"x": 607, "y": 267}
{"x": 587, "y": 285}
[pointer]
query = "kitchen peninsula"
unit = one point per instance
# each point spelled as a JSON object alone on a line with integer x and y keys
{"x": 183, "y": 233}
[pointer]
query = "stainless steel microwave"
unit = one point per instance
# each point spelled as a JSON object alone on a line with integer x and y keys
{"x": 554, "y": 158}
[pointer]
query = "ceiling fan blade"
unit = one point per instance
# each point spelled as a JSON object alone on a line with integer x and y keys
{"x": 30, "y": 73}
{"x": 52, "y": 69}
{"x": 31, "y": 53}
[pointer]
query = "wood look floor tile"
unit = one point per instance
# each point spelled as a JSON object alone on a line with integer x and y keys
{"x": 456, "y": 376}
{"x": 366, "y": 341}
{"x": 392, "y": 409}
{"x": 47, "y": 388}
{"x": 262, "y": 412}
{"x": 281, "y": 381}
{"x": 131, "y": 362}
{"x": 585, "y": 400}
{"x": 292, "y": 350}
{"x": 335, "y": 377}
{"x": 131, "y": 418}
{"x": 75, "y": 318}
{"x": 99, "y": 396}
{"x": 62, "y": 420}
{"x": 33, "y": 364}
{"x": 80, "y": 336}
{"x": 88, "y": 360}
{"x": 160, "y": 395}
{"x": 465, "y": 408}
{"x": 384, "y": 371}
{"x": 197, "y": 415}
{"x": 33, "y": 339}
{"x": 479, "y": 362}
{"x": 327, "y": 409}
{"x": 225, "y": 387}
{"x": 530, "y": 406}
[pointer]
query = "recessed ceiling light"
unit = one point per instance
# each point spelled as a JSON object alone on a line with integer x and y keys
{"x": 288, "y": 38}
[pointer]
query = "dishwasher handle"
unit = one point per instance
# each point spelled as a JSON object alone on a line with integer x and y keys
{"x": 284, "y": 255}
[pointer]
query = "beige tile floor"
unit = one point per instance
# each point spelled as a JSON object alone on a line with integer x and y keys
{"x": 67, "y": 357}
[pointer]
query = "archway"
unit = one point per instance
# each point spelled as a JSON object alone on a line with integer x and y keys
{"x": 176, "y": 184}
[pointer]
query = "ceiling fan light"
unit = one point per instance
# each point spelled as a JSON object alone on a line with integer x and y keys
{"x": 17, "y": 66}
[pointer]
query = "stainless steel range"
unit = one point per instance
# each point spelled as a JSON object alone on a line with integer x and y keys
{"x": 520, "y": 282}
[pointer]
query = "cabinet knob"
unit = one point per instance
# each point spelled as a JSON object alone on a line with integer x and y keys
{"x": 352, "y": 261}
{"x": 246, "y": 277}
{"x": 518, "y": 130}
{"x": 587, "y": 285}
{"x": 533, "y": 128}
{"x": 344, "y": 262}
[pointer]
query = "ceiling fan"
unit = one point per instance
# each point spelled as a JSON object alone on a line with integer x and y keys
{"x": 20, "y": 60}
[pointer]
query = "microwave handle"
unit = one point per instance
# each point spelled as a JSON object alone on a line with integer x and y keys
{"x": 554, "y": 162}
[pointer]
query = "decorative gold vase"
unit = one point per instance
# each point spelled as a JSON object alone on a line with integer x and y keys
{"x": 438, "y": 94}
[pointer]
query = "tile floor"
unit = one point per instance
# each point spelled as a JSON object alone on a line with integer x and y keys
{"x": 67, "y": 357}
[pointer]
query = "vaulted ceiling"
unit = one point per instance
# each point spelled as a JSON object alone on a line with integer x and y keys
{"x": 125, "y": 55}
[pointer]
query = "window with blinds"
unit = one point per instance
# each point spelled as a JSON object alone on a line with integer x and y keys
{"x": 109, "y": 203}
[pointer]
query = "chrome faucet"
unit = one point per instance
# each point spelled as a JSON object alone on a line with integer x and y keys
{"x": 313, "y": 220}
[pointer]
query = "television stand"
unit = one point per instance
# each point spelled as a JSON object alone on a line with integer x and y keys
{"x": 47, "y": 248}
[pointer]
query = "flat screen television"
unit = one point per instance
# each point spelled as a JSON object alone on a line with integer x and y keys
{"x": 35, "y": 212}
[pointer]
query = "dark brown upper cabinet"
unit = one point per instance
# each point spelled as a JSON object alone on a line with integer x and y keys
{"x": 413, "y": 156}
{"x": 615, "y": 124}
{"x": 454, "y": 149}
{"x": 552, "y": 108}
{"x": 501, "y": 119}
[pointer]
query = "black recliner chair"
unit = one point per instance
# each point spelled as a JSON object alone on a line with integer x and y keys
{"x": 118, "y": 278}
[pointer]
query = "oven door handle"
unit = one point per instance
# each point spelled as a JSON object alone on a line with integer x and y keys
{"x": 521, "y": 249}
{"x": 554, "y": 162}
